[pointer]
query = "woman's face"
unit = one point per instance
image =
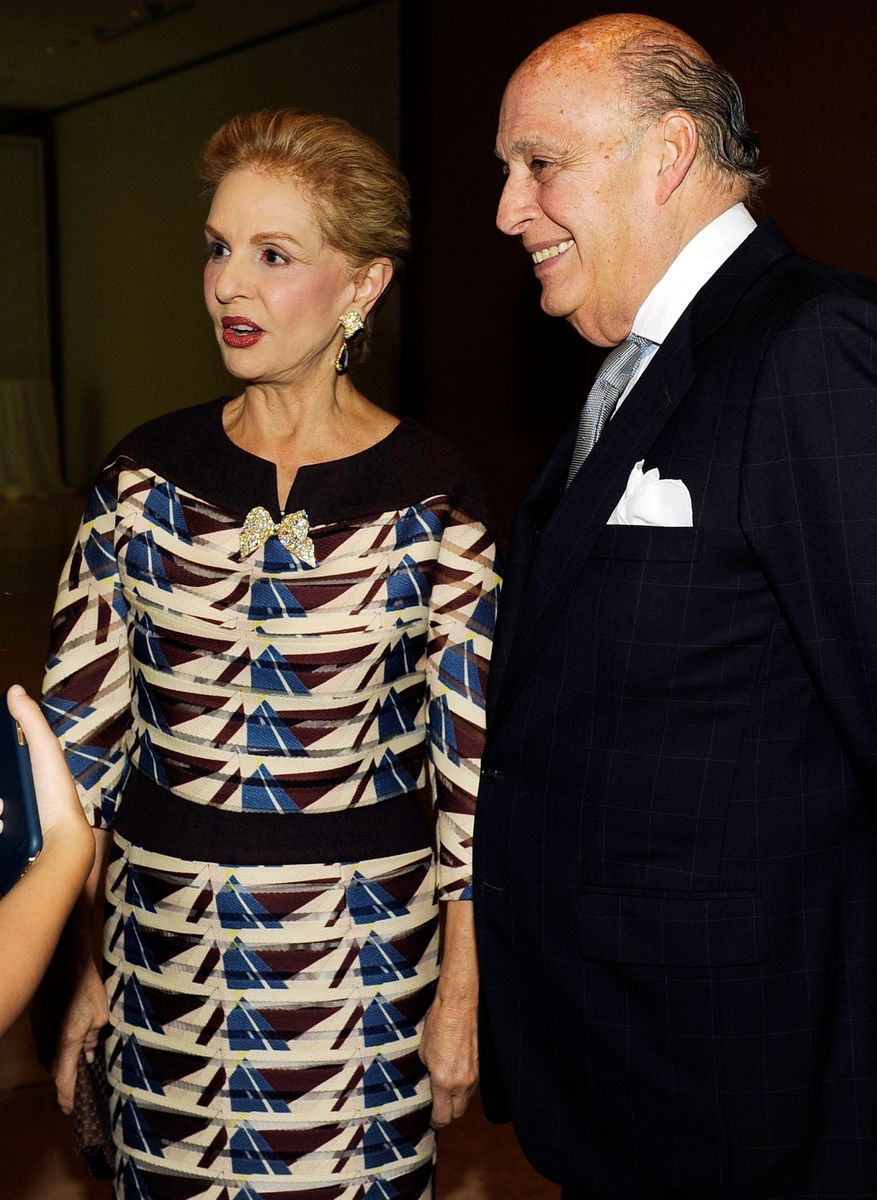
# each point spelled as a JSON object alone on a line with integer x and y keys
{"x": 273, "y": 288}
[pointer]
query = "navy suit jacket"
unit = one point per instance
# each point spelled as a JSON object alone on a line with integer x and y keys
{"x": 676, "y": 866}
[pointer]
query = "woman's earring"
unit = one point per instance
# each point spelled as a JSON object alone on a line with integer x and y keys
{"x": 351, "y": 323}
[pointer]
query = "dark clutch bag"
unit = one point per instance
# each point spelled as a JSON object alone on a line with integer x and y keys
{"x": 91, "y": 1117}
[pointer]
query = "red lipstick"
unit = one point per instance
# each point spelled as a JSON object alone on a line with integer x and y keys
{"x": 239, "y": 332}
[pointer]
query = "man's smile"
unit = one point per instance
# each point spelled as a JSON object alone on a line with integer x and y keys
{"x": 539, "y": 256}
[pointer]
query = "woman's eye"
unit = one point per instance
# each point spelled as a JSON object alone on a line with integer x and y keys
{"x": 274, "y": 258}
{"x": 216, "y": 250}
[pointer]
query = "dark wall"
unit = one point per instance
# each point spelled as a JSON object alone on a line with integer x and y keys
{"x": 482, "y": 362}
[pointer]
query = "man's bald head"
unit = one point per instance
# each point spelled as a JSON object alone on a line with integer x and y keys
{"x": 657, "y": 68}
{"x": 604, "y": 37}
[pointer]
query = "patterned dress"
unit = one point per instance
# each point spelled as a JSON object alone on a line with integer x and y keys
{"x": 260, "y": 734}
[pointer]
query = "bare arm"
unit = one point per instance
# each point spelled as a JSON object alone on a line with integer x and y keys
{"x": 449, "y": 1045}
{"x": 33, "y": 913}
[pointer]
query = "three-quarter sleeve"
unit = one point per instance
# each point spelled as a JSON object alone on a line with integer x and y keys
{"x": 462, "y": 619}
{"x": 87, "y": 690}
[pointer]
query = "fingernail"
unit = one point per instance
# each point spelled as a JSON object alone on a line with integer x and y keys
{"x": 16, "y": 690}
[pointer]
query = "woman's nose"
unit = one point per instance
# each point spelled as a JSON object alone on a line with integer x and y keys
{"x": 231, "y": 279}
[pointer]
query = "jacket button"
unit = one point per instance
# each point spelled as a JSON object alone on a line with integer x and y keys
{"x": 491, "y": 774}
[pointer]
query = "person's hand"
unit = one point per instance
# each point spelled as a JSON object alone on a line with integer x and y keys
{"x": 60, "y": 811}
{"x": 449, "y": 1051}
{"x": 66, "y": 835}
{"x": 86, "y": 1015}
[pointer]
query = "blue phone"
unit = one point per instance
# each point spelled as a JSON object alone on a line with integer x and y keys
{"x": 21, "y": 838}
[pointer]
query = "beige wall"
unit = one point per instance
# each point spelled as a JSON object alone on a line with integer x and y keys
{"x": 135, "y": 341}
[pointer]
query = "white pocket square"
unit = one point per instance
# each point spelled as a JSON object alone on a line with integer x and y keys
{"x": 650, "y": 500}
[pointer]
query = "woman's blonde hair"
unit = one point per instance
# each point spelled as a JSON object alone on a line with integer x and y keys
{"x": 359, "y": 195}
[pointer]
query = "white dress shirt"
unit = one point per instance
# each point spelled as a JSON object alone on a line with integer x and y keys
{"x": 695, "y": 263}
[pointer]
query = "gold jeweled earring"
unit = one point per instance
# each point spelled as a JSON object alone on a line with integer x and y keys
{"x": 351, "y": 323}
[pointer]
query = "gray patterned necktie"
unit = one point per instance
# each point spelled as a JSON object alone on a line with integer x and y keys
{"x": 615, "y": 374}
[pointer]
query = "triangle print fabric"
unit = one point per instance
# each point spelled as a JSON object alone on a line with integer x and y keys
{"x": 306, "y": 1033}
{"x": 263, "y": 684}
{"x": 265, "y": 1020}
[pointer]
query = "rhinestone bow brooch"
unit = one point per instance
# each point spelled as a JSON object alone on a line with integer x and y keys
{"x": 293, "y": 532}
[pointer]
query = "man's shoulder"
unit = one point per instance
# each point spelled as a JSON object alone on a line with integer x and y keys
{"x": 808, "y": 278}
{"x": 775, "y": 287}
{"x": 801, "y": 278}
{"x": 824, "y": 300}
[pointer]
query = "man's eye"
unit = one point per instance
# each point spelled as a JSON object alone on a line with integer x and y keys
{"x": 539, "y": 164}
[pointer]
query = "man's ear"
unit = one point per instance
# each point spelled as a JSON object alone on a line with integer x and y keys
{"x": 370, "y": 282}
{"x": 679, "y": 141}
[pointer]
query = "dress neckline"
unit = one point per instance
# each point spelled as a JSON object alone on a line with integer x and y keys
{"x": 308, "y": 471}
{"x": 190, "y": 449}
{"x": 330, "y": 462}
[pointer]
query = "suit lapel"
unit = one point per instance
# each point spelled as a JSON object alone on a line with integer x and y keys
{"x": 531, "y": 518}
{"x": 547, "y": 558}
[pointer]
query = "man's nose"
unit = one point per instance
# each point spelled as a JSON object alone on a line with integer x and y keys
{"x": 517, "y": 206}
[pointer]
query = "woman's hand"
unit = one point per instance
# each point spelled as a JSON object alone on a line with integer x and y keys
{"x": 449, "y": 1050}
{"x": 86, "y": 1015}
{"x": 449, "y": 1043}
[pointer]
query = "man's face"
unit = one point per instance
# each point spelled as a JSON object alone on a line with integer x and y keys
{"x": 577, "y": 196}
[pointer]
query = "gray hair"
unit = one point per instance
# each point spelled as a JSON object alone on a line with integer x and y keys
{"x": 660, "y": 76}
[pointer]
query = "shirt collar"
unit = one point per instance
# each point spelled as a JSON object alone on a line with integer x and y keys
{"x": 689, "y": 271}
